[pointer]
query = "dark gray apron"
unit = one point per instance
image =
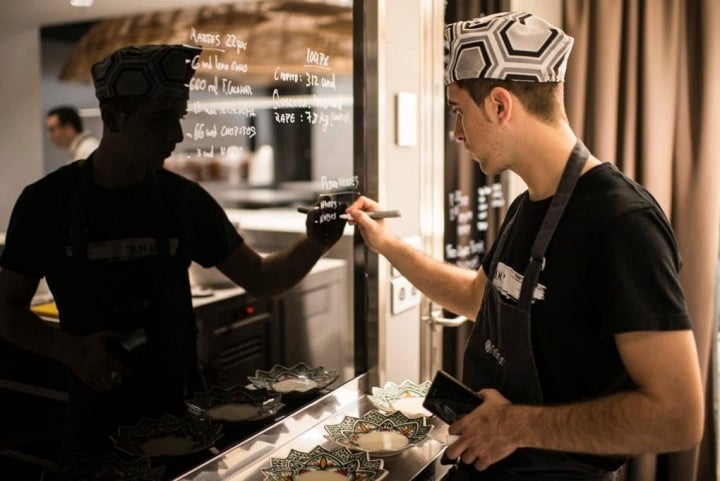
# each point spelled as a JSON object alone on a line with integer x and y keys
{"x": 159, "y": 384}
{"x": 499, "y": 353}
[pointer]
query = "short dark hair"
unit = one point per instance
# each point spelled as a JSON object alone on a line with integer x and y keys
{"x": 68, "y": 115}
{"x": 541, "y": 99}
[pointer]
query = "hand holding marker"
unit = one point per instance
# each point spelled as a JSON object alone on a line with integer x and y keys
{"x": 377, "y": 214}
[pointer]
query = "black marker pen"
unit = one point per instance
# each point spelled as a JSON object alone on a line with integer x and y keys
{"x": 377, "y": 214}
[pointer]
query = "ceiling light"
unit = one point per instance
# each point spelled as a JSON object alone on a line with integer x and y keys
{"x": 81, "y": 3}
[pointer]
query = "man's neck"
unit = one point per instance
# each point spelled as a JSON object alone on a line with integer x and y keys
{"x": 542, "y": 164}
{"x": 77, "y": 139}
{"x": 114, "y": 172}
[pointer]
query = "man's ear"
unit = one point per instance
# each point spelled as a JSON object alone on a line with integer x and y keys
{"x": 502, "y": 104}
{"x": 112, "y": 118}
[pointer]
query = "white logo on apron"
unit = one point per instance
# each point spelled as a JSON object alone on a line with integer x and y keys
{"x": 494, "y": 352}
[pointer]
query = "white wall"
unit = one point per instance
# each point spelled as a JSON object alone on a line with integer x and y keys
{"x": 399, "y": 178}
{"x": 22, "y": 119}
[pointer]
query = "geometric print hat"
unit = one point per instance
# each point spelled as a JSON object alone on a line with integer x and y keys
{"x": 506, "y": 46}
{"x": 145, "y": 71}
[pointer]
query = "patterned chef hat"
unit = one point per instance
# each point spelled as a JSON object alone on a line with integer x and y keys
{"x": 506, "y": 46}
{"x": 145, "y": 71}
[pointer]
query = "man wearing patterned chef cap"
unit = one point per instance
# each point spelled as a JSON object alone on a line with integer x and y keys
{"x": 581, "y": 348}
{"x": 122, "y": 233}
{"x": 507, "y": 46}
{"x": 145, "y": 71}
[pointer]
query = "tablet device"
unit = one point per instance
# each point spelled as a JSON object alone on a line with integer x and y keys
{"x": 449, "y": 399}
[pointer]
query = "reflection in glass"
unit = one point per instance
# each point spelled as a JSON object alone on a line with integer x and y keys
{"x": 269, "y": 127}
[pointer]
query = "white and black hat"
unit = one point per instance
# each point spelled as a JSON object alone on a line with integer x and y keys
{"x": 506, "y": 46}
{"x": 145, "y": 71}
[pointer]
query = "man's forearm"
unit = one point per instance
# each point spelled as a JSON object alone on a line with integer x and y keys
{"x": 282, "y": 270}
{"x": 448, "y": 285}
{"x": 623, "y": 423}
{"x": 23, "y": 328}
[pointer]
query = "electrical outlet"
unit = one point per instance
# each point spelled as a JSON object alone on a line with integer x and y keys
{"x": 403, "y": 294}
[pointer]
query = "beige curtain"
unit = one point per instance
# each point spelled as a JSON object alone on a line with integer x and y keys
{"x": 643, "y": 92}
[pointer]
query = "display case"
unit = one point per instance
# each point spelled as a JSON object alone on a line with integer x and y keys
{"x": 305, "y": 430}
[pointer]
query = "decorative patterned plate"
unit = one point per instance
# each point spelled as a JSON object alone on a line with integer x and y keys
{"x": 406, "y": 397}
{"x": 237, "y": 404}
{"x": 321, "y": 464}
{"x": 111, "y": 467}
{"x": 167, "y": 436}
{"x": 297, "y": 380}
{"x": 378, "y": 433}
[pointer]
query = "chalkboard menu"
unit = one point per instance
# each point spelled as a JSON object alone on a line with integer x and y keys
{"x": 468, "y": 222}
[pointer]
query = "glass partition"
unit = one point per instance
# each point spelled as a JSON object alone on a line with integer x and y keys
{"x": 272, "y": 125}
{"x": 269, "y": 128}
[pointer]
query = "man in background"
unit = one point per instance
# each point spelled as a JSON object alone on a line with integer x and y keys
{"x": 65, "y": 129}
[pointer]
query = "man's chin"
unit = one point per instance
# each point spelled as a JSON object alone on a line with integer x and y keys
{"x": 483, "y": 167}
{"x": 487, "y": 170}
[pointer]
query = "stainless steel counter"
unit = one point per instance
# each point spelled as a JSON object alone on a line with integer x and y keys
{"x": 304, "y": 430}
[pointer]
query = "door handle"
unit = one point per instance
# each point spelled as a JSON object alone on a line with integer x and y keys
{"x": 435, "y": 318}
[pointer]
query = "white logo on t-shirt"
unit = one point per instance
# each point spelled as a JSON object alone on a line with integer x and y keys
{"x": 508, "y": 283}
{"x": 125, "y": 249}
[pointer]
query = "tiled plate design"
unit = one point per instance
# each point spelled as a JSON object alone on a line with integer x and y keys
{"x": 297, "y": 380}
{"x": 111, "y": 466}
{"x": 167, "y": 436}
{"x": 236, "y": 404}
{"x": 406, "y": 397}
{"x": 379, "y": 433}
{"x": 321, "y": 464}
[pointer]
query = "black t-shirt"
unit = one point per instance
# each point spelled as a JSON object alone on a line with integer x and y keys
{"x": 611, "y": 267}
{"x": 120, "y": 228}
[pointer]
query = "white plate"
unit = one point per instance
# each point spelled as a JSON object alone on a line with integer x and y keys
{"x": 167, "y": 436}
{"x": 379, "y": 433}
{"x": 236, "y": 404}
{"x": 406, "y": 397}
{"x": 297, "y": 380}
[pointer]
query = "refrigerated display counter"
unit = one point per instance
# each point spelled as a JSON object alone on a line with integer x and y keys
{"x": 304, "y": 431}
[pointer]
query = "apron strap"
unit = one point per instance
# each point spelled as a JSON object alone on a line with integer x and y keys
{"x": 569, "y": 178}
